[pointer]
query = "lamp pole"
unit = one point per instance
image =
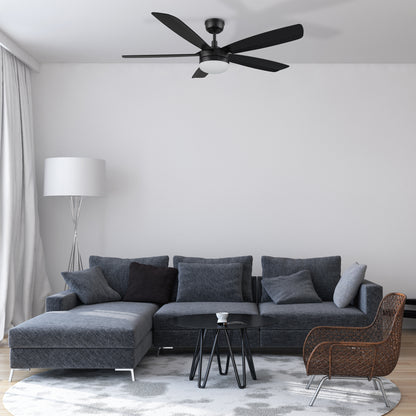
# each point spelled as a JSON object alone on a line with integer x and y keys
{"x": 75, "y": 260}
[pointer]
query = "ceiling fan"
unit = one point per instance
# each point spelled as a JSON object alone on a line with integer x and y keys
{"x": 214, "y": 59}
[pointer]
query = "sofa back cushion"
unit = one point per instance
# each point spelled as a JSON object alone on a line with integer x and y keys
{"x": 246, "y": 262}
{"x": 116, "y": 270}
{"x": 325, "y": 272}
{"x": 198, "y": 282}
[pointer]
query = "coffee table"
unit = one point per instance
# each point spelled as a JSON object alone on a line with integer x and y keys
{"x": 236, "y": 322}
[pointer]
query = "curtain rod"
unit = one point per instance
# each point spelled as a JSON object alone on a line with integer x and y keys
{"x": 18, "y": 52}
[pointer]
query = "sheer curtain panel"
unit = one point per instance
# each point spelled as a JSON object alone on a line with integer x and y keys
{"x": 23, "y": 280}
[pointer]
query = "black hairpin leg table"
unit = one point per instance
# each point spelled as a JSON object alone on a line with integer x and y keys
{"x": 245, "y": 355}
{"x": 239, "y": 323}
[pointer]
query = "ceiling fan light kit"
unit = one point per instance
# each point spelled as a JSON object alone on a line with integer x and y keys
{"x": 213, "y": 62}
{"x": 214, "y": 59}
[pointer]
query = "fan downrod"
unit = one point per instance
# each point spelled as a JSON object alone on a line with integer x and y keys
{"x": 214, "y": 25}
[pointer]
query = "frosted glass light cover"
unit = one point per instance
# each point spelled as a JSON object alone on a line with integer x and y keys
{"x": 74, "y": 176}
{"x": 213, "y": 66}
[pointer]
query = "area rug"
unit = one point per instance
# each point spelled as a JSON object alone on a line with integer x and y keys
{"x": 162, "y": 388}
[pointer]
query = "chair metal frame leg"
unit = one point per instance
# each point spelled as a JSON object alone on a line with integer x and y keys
{"x": 131, "y": 370}
{"x": 383, "y": 392}
{"x": 377, "y": 381}
{"x": 318, "y": 389}
{"x": 310, "y": 381}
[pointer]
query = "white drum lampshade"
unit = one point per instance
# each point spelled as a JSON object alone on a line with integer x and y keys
{"x": 74, "y": 176}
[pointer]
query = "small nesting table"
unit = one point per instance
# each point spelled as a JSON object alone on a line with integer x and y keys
{"x": 236, "y": 322}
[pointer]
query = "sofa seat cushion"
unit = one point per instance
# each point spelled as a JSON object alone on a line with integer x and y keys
{"x": 308, "y": 315}
{"x": 175, "y": 309}
{"x": 106, "y": 325}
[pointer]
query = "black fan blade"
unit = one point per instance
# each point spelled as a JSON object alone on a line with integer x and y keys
{"x": 181, "y": 29}
{"x": 171, "y": 55}
{"x": 257, "y": 63}
{"x": 199, "y": 74}
{"x": 266, "y": 39}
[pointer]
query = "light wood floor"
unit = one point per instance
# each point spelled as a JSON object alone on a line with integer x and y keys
{"x": 404, "y": 375}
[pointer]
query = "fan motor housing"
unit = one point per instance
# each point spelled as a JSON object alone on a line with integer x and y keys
{"x": 213, "y": 55}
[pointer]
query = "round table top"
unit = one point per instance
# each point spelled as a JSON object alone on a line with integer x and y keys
{"x": 209, "y": 321}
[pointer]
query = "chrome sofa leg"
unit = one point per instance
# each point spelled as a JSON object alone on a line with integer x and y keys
{"x": 12, "y": 372}
{"x": 375, "y": 384}
{"x": 318, "y": 389}
{"x": 383, "y": 392}
{"x": 160, "y": 349}
{"x": 310, "y": 381}
{"x": 133, "y": 377}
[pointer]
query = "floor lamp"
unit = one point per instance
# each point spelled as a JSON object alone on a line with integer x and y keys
{"x": 76, "y": 178}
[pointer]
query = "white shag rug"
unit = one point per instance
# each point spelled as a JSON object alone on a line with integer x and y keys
{"x": 162, "y": 388}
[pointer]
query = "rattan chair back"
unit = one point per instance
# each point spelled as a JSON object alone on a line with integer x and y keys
{"x": 387, "y": 328}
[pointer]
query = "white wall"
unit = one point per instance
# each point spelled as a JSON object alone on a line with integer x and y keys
{"x": 315, "y": 160}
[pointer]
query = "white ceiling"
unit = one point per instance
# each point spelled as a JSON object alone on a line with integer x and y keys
{"x": 369, "y": 31}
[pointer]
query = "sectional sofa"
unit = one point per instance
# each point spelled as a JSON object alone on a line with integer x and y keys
{"x": 118, "y": 334}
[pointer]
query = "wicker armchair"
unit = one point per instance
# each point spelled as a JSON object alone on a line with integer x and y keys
{"x": 370, "y": 352}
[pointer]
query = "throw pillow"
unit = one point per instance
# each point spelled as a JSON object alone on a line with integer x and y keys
{"x": 325, "y": 272}
{"x": 246, "y": 261}
{"x": 150, "y": 283}
{"x": 347, "y": 287}
{"x": 199, "y": 282}
{"x": 116, "y": 270}
{"x": 90, "y": 286}
{"x": 295, "y": 288}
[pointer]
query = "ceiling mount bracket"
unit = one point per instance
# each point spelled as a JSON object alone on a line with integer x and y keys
{"x": 214, "y": 25}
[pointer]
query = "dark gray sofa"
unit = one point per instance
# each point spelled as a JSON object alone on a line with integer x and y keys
{"x": 118, "y": 334}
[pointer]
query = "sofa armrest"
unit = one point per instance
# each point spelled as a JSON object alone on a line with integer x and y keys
{"x": 62, "y": 301}
{"x": 369, "y": 298}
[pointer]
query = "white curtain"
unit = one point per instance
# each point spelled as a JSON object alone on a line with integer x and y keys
{"x": 23, "y": 280}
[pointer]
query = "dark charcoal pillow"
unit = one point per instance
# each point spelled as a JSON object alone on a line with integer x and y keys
{"x": 325, "y": 272}
{"x": 349, "y": 284}
{"x": 209, "y": 282}
{"x": 246, "y": 261}
{"x": 116, "y": 270}
{"x": 150, "y": 283}
{"x": 295, "y": 288}
{"x": 90, "y": 286}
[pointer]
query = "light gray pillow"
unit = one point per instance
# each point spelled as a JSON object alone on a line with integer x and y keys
{"x": 295, "y": 288}
{"x": 90, "y": 286}
{"x": 198, "y": 282}
{"x": 347, "y": 288}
